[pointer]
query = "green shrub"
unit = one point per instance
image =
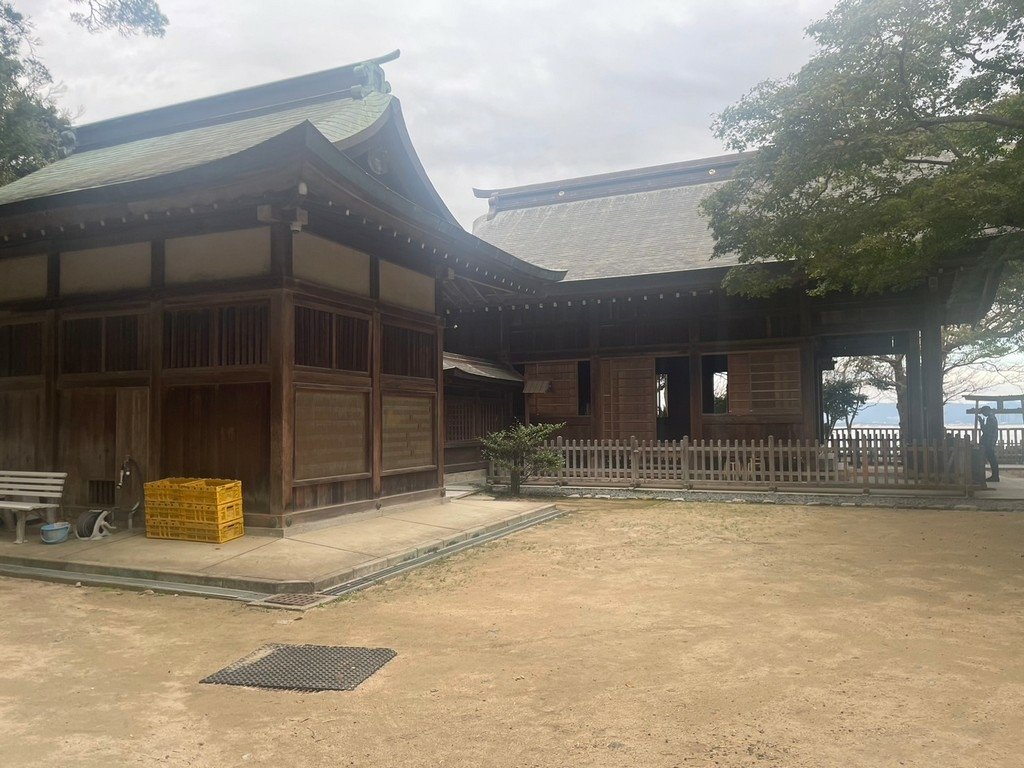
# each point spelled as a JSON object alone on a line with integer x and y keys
{"x": 519, "y": 449}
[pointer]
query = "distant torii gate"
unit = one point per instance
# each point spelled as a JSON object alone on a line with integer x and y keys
{"x": 999, "y": 407}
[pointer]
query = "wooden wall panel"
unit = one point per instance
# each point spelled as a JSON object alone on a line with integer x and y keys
{"x": 765, "y": 381}
{"x": 628, "y": 398}
{"x": 86, "y": 440}
{"x": 219, "y": 431}
{"x": 560, "y": 402}
{"x": 408, "y": 434}
{"x": 21, "y": 430}
{"x": 131, "y": 427}
{"x": 331, "y": 433}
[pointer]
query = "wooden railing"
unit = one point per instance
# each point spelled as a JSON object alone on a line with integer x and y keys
{"x": 867, "y": 464}
{"x": 1009, "y": 449}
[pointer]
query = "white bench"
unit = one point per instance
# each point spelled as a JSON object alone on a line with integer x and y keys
{"x": 30, "y": 493}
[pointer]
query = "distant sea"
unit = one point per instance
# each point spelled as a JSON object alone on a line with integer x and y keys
{"x": 885, "y": 415}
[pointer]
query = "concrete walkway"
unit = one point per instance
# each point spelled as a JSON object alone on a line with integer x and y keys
{"x": 305, "y": 561}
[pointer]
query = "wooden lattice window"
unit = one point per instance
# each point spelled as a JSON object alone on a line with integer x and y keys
{"x": 407, "y": 352}
{"x": 244, "y": 335}
{"x": 217, "y": 336}
{"x": 21, "y": 349}
{"x": 122, "y": 343}
{"x": 102, "y": 344}
{"x": 766, "y": 381}
{"x": 470, "y": 418}
{"x": 328, "y": 340}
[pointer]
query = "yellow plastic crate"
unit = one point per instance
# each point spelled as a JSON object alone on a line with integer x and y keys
{"x": 166, "y": 489}
{"x": 210, "y": 491}
{"x": 213, "y": 533}
{"x": 178, "y": 511}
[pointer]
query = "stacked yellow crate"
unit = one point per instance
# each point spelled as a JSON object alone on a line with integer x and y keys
{"x": 194, "y": 509}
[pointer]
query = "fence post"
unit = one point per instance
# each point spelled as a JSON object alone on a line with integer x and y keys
{"x": 687, "y": 480}
{"x": 966, "y": 465}
{"x": 560, "y": 477}
{"x": 634, "y": 461}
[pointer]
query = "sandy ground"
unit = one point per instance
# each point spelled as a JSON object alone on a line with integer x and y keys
{"x": 624, "y": 634}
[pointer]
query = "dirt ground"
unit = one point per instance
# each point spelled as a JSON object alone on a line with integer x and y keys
{"x": 624, "y": 634}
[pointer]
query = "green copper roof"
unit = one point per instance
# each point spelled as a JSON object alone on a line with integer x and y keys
{"x": 337, "y": 120}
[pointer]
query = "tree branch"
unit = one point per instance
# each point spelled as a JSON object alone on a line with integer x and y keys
{"x": 988, "y": 65}
{"x": 926, "y": 161}
{"x": 981, "y": 117}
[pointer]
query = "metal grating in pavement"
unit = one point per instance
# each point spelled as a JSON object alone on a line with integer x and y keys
{"x": 304, "y": 667}
{"x": 295, "y": 598}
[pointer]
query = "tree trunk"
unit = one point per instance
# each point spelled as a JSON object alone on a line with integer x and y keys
{"x": 515, "y": 481}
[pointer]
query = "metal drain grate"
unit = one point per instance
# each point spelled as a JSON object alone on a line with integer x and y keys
{"x": 295, "y": 599}
{"x": 304, "y": 667}
{"x": 292, "y": 601}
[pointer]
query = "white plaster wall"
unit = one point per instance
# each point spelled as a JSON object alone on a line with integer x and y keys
{"x": 327, "y": 263}
{"x": 23, "y": 278}
{"x": 406, "y": 288}
{"x": 105, "y": 269}
{"x": 218, "y": 256}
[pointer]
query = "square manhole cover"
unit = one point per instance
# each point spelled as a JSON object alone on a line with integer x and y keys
{"x": 304, "y": 667}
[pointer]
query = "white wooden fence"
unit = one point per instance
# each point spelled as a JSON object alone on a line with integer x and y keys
{"x": 1009, "y": 449}
{"x": 877, "y": 463}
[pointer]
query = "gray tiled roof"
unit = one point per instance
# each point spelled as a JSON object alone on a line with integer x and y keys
{"x": 337, "y": 119}
{"x": 620, "y": 235}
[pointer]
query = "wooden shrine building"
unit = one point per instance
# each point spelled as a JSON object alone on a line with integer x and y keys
{"x": 640, "y": 339}
{"x": 264, "y": 285}
{"x": 246, "y": 286}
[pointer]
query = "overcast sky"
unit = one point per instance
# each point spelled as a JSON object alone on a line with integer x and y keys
{"x": 495, "y": 94}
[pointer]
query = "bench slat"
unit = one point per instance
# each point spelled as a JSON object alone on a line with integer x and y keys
{"x": 30, "y": 484}
{"x": 31, "y": 491}
{"x": 25, "y": 506}
{"x": 43, "y": 486}
{"x": 41, "y": 475}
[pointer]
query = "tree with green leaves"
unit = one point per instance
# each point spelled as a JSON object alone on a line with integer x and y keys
{"x": 520, "y": 449}
{"x": 841, "y": 399}
{"x": 899, "y": 144}
{"x": 33, "y": 131}
{"x": 973, "y": 356}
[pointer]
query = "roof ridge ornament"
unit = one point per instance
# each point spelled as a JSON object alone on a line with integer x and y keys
{"x": 374, "y": 79}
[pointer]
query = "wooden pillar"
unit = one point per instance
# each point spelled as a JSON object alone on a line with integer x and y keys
{"x": 931, "y": 378}
{"x": 440, "y": 427}
{"x": 376, "y": 383}
{"x": 281, "y": 249}
{"x": 915, "y": 421}
{"x": 282, "y": 389}
{"x": 155, "y": 322}
{"x": 593, "y": 319}
{"x": 46, "y": 448}
{"x": 282, "y": 402}
{"x": 809, "y": 378}
{"x": 696, "y": 403}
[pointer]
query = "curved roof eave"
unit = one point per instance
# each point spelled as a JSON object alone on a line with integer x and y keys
{"x": 295, "y": 146}
{"x": 380, "y": 194}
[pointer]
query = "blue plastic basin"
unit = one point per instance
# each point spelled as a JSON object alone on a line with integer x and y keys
{"x": 54, "y": 533}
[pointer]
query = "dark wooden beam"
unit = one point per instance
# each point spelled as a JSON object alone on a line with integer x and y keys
{"x": 915, "y": 418}
{"x": 931, "y": 379}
